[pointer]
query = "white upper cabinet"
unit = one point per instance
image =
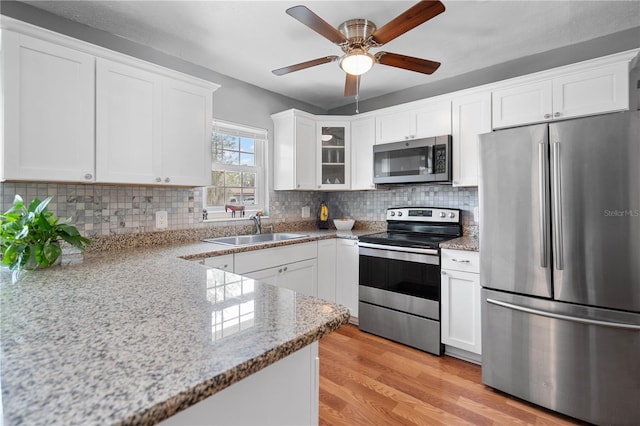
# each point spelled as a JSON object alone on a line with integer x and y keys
{"x": 593, "y": 90}
{"x": 186, "y": 133}
{"x": 48, "y": 111}
{"x": 363, "y": 137}
{"x": 333, "y": 151}
{"x": 590, "y": 92}
{"x": 75, "y": 112}
{"x": 151, "y": 129}
{"x": 294, "y": 151}
{"x": 422, "y": 120}
{"x": 128, "y": 124}
{"x": 471, "y": 117}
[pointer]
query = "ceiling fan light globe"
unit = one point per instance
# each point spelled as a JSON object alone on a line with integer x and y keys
{"x": 357, "y": 63}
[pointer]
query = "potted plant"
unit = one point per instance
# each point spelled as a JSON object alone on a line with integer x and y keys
{"x": 30, "y": 235}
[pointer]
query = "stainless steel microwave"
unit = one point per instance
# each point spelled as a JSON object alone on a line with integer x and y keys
{"x": 418, "y": 160}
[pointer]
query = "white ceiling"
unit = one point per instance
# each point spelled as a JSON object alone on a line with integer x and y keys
{"x": 248, "y": 39}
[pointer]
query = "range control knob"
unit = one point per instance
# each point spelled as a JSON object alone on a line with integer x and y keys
{"x": 452, "y": 215}
{"x": 399, "y": 213}
{"x": 442, "y": 214}
{"x": 392, "y": 213}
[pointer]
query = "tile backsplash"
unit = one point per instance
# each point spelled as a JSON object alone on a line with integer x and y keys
{"x": 372, "y": 205}
{"x": 100, "y": 210}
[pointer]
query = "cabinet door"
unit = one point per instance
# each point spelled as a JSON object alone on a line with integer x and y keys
{"x": 333, "y": 154}
{"x": 433, "y": 119}
{"x": 396, "y": 126}
{"x": 523, "y": 104}
{"x": 347, "y": 274}
{"x": 224, "y": 262}
{"x": 128, "y": 114}
{"x": 363, "y": 137}
{"x": 471, "y": 117}
{"x": 186, "y": 134}
{"x": 305, "y": 149}
{"x": 327, "y": 269}
{"x": 269, "y": 276}
{"x": 49, "y": 111}
{"x": 595, "y": 91}
{"x": 301, "y": 277}
{"x": 460, "y": 306}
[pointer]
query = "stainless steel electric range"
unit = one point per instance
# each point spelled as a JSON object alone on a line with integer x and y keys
{"x": 399, "y": 285}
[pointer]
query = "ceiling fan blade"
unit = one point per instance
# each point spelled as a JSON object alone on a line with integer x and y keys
{"x": 351, "y": 85}
{"x": 414, "y": 16}
{"x": 407, "y": 62}
{"x": 316, "y": 23}
{"x": 304, "y": 65}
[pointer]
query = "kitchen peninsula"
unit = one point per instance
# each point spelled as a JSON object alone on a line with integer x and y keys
{"x": 136, "y": 336}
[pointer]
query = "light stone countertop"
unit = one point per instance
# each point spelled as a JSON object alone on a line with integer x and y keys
{"x": 127, "y": 336}
{"x": 466, "y": 242}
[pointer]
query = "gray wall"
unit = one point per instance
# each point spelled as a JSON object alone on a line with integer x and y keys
{"x": 602, "y": 46}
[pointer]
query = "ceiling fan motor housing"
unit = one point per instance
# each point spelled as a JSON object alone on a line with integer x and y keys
{"x": 358, "y": 32}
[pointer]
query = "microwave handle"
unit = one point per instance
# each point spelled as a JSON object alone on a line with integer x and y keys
{"x": 431, "y": 155}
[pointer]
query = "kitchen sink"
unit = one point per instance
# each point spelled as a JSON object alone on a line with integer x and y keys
{"x": 245, "y": 240}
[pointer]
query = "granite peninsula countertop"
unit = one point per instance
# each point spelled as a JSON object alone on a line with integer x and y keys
{"x": 466, "y": 242}
{"x": 131, "y": 336}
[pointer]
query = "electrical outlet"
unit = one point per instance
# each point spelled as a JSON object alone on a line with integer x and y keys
{"x": 162, "y": 219}
{"x": 306, "y": 211}
{"x": 476, "y": 214}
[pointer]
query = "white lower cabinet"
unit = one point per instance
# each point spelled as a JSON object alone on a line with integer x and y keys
{"x": 460, "y": 304}
{"x": 298, "y": 276}
{"x": 347, "y": 275}
{"x": 293, "y": 267}
{"x": 327, "y": 269}
{"x": 284, "y": 393}
{"x": 224, "y": 262}
{"x": 338, "y": 273}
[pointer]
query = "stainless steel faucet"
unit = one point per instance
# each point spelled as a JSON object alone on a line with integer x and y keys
{"x": 256, "y": 219}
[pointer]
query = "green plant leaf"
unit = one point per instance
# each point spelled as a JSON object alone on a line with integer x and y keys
{"x": 41, "y": 206}
{"x": 30, "y": 236}
{"x": 23, "y": 233}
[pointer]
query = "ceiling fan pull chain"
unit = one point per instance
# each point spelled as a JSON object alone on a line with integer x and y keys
{"x": 358, "y": 96}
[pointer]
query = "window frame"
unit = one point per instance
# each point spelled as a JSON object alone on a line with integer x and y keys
{"x": 261, "y": 141}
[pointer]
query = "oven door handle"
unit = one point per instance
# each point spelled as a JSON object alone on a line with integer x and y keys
{"x": 398, "y": 248}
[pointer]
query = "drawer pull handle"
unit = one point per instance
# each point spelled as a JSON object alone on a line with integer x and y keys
{"x": 461, "y": 261}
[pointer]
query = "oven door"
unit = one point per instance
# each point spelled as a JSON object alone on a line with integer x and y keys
{"x": 399, "y": 280}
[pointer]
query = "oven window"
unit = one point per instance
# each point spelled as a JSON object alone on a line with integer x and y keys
{"x": 398, "y": 276}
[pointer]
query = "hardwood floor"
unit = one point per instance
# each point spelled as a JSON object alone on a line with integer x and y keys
{"x": 367, "y": 380}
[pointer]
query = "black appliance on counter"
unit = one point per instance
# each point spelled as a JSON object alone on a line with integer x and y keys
{"x": 399, "y": 284}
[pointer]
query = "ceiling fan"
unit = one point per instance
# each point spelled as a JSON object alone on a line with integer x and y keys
{"x": 356, "y": 36}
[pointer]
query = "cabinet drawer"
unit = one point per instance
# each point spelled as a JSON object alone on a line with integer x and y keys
{"x": 268, "y": 258}
{"x": 224, "y": 262}
{"x": 460, "y": 260}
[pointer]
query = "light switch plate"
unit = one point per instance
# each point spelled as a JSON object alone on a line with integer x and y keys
{"x": 162, "y": 219}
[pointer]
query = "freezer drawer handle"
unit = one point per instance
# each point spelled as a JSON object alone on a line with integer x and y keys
{"x": 564, "y": 317}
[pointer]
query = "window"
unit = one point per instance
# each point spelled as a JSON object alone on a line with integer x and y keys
{"x": 238, "y": 178}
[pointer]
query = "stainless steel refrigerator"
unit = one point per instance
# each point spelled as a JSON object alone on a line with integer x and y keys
{"x": 560, "y": 265}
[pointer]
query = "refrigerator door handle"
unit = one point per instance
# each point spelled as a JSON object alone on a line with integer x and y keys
{"x": 542, "y": 205}
{"x": 564, "y": 317}
{"x": 557, "y": 208}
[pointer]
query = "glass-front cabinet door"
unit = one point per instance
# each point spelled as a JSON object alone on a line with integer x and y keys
{"x": 334, "y": 155}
